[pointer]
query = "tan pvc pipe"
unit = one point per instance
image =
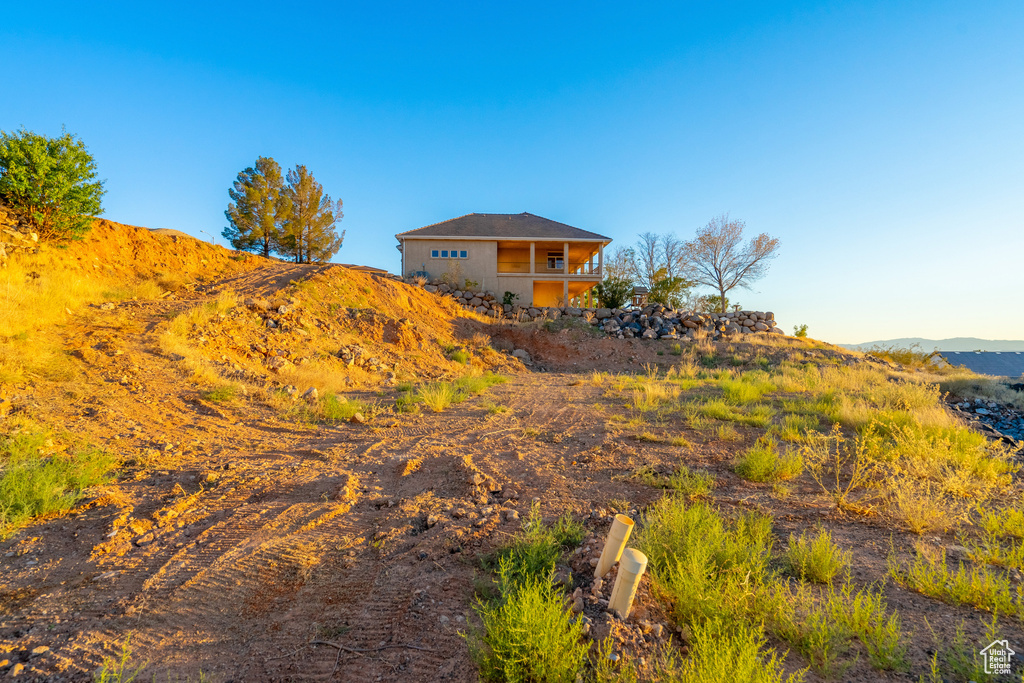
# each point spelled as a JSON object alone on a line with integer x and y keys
{"x": 631, "y": 568}
{"x": 622, "y": 526}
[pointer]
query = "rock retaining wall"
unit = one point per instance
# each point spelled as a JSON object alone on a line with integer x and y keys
{"x": 652, "y": 321}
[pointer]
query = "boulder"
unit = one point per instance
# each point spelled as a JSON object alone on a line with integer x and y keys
{"x": 475, "y": 301}
{"x": 522, "y": 354}
{"x": 430, "y": 288}
{"x": 481, "y": 310}
{"x": 603, "y": 313}
{"x": 650, "y": 334}
{"x": 761, "y": 327}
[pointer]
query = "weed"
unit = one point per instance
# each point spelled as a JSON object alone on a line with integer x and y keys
{"x": 438, "y": 395}
{"x": 222, "y": 393}
{"x": 533, "y": 552}
{"x": 647, "y": 437}
{"x": 975, "y": 586}
{"x": 727, "y": 432}
{"x": 460, "y": 356}
{"x": 797, "y": 428}
{"x": 921, "y": 506}
{"x": 763, "y": 462}
{"x": 119, "y": 669}
{"x": 810, "y": 628}
{"x": 959, "y": 657}
{"x": 706, "y": 567}
{"x": 690, "y": 483}
{"x": 676, "y": 349}
{"x": 732, "y": 653}
{"x": 329, "y": 408}
{"x": 680, "y": 442}
{"x": 838, "y": 468}
{"x": 745, "y": 390}
{"x": 864, "y": 614}
{"x": 815, "y": 559}
{"x": 527, "y": 635}
{"x": 755, "y": 416}
{"x": 37, "y": 477}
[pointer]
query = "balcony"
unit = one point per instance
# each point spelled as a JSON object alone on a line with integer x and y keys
{"x": 541, "y": 267}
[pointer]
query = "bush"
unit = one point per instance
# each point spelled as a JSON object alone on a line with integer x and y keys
{"x": 614, "y": 292}
{"x": 762, "y": 462}
{"x": 533, "y": 552}
{"x": 817, "y": 559}
{"x": 33, "y": 484}
{"x": 528, "y": 635}
{"x": 49, "y": 183}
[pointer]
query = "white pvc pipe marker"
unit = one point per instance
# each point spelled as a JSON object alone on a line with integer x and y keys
{"x": 622, "y": 527}
{"x": 631, "y": 568}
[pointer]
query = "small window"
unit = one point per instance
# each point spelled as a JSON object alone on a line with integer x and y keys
{"x": 463, "y": 254}
{"x": 434, "y": 253}
{"x": 556, "y": 260}
{"x": 444, "y": 253}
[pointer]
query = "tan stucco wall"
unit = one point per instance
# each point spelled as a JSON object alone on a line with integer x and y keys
{"x": 479, "y": 266}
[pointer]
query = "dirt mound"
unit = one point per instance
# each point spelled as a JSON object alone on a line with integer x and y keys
{"x": 130, "y": 250}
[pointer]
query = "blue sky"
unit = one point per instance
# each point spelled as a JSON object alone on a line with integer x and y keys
{"x": 882, "y": 142}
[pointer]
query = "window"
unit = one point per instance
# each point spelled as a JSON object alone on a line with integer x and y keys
{"x": 463, "y": 254}
{"x": 556, "y": 260}
{"x": 433, "y": 253}
{"x": 444, "y": 253}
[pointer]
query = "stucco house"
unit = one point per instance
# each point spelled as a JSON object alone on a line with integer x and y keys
{"x": 543, "y": 262}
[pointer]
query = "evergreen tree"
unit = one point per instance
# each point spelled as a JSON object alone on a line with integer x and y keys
{"x": 259, "y": 208}
{"x": 49, "y": 184}
{"x": 309, "y": 232}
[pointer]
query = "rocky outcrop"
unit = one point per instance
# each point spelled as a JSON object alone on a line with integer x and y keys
{"x": 653, "y": 321}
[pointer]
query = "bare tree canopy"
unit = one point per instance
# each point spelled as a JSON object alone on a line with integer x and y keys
{"x": 717, "y": 257}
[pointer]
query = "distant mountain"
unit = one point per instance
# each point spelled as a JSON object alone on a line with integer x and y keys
{"x": 954, "y": 344}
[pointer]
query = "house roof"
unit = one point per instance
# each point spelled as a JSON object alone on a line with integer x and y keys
{"x": 999, "y": 363}
{"x": 513, "y": 226}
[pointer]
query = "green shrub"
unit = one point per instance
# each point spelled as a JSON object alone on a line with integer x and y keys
{"x": 49, "y": 183}
{"x": 438, "y": 395}
{"x": 220, "y": 394}
{"x": 815, "y": 559}
{"x": 460, "y": 356}
{"x": 527, "y": 634}
{"x": 533, "y": 552}
{"x": 476, "y": 384}
{"x": 732, "y": 653}
{"x": 864, "y": 614}
{"x": 33, "y": 484}
{"x": 688, "y": 482}
{"x": 975, "y": 586}
{"x": 708, "y": 568}
{"x": 762, "y": 462}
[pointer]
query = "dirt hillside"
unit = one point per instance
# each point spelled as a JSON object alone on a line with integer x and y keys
{"x": 287, "y": 505}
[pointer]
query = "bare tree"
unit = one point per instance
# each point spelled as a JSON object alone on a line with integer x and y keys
{"x": 620, "y": 264}
{"x": 673, "y": 254}
{"x": 717, "y": 257}
{"x": 649, "y": 260}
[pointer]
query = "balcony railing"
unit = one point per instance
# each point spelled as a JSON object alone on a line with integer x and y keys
{"x": 541, "y": 268}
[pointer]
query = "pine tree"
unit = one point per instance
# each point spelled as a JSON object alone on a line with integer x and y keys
{"x": 259, "y": 208}
{"x": 309, "y": 233}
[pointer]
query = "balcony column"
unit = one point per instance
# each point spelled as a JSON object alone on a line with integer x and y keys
{"x": 565, "y": 291}
{"x": 565, "y": 258}
{"x": 533, "y": 259}
{"x": 600, "y": 260}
